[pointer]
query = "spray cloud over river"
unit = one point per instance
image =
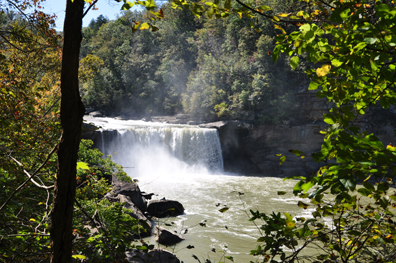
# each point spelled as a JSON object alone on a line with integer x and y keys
{"x": 184, "y": 163}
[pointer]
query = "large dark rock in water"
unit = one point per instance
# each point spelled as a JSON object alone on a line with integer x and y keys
{"x": 131, "y": 190}
{"x": 166, "y": 237}
{"x": 164, "y": 208}
{"x": 153, "y": 256}
{"x": 136, "y": 213}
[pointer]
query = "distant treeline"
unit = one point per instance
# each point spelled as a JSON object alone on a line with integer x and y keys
{"x": 204, "y": 67}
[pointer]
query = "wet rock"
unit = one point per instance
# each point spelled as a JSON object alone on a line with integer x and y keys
{"x": 131, "y": 190}
{"x": 183, "y": 116}
{"x": 166, "y": 237}
{"x": 153, "y": 256}
{"x": 147, "y": 196}
{"x": 164, "y": 208}
{"x": 143, "y": 221}
{"x": 96, "y": 114}
{"x": 88, "y": 131}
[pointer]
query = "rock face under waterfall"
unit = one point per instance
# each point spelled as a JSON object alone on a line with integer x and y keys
{"x": 252, "y": 149}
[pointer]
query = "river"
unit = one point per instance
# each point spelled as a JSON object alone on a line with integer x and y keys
{"x": 184, "y": 163}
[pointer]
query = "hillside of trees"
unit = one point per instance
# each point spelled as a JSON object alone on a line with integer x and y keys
{"x": 203, "y": 67}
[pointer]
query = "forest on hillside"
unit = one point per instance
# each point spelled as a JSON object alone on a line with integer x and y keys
{"x": 204, "y": 67}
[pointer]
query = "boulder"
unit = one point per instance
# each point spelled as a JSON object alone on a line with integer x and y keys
{"x": 153, "y": 256}
{"x": 143, "y": 221}
{"x": 96, "y": 114}
{"x": 131, "y": 190}
{"x": 164, "y": 208}
{"x": 166, "y": 237}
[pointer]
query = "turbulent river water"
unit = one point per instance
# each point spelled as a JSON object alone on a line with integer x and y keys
{"x": 184, "y": 163}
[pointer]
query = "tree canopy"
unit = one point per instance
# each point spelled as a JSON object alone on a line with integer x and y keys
{"x": 203, "y": 67}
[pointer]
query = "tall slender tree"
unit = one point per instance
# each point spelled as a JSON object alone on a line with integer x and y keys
{"x": 72, "y": 112}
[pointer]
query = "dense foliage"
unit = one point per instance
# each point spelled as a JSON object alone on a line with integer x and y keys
{"x": 204, "y": 67}
{"x": 29, "y": 135}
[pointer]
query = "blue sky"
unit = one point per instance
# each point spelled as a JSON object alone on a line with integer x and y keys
{"x": 108, "y": 8}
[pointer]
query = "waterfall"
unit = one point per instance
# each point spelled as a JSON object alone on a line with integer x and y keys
{"x": 152, "y": 148}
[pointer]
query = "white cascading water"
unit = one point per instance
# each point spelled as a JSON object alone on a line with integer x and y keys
{"x": 151, "y": 148}
{"x": 184, "y": 163}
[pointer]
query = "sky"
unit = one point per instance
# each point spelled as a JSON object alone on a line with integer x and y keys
{"x": 108, "y": 8}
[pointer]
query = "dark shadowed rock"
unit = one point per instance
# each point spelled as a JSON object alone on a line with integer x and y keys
{"x": 147, "y": 196}
{"x": 153, "y": 256}
{"x": 164, "y": 208}
{"x": 143, "y": 221}
{"x": 131, "y": 190}
{"x": 166, "y": 237}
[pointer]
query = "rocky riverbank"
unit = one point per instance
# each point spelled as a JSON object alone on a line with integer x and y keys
{"x": 145, "y": 211}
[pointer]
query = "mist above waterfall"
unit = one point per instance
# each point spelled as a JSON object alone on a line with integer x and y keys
{"x": 152, "y": 149}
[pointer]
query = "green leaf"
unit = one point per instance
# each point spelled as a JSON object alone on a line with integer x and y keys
{"x": 336, "y": 63}
{"x": 307, "y": 186}
{"x": 329, "y": 118}
{"x": 264, "y": 8}
{"x": 364, "y": 191}
{"x": 369, "y": 186}
{"x": 382, "y": 187}
{"x": 294, "y": 61}
{"x": 370, "y": 40}
{"x": 79, "y": 257}
{"x": 128, "y": 5}
{"x": 349, "y": 183}
{"x": 224, "y": 209}
{"x": 82, "y": 165}
{"x": 227, "y": 4}
{"x": 302, "y": 205}
{"x": 210, "y": 12}
{"x": 281, "y": 192}
{"x": 360, "y": 46}
{"x": 289, "y": 218}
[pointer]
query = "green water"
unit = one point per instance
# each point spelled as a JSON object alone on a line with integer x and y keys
{"x": 203, "y": 196}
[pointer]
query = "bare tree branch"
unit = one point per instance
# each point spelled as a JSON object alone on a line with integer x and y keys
{"x": 30, "y": 178}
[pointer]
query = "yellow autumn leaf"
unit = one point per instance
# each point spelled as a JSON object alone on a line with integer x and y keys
{"x": 323, "y": 70}
{"x": 315, "y": 13}
{"x": 290, "y": 224}
{"x": 283, "y": 15}
{"x": 280, "y": 28}
{"x": 144, "y": 26}
{"x": 391, "y": 147}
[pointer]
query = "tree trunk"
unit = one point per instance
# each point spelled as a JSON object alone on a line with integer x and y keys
{"x": 72, "y": 111}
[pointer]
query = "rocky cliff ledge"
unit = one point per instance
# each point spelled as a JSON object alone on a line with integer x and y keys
{"x": 251, "y": 149}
